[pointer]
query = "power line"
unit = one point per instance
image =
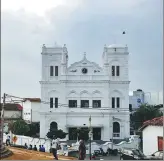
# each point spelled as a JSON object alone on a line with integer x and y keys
{"x": 67, "y": 105}
{"x": 97, "y": 108}
{"x": 63, "y": 105}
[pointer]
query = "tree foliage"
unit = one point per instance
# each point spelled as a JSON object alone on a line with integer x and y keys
{"x": 54, "y": 132}
{"x": 34, "y": 129}
{"x": 20, "y": 127}
{"x": 82, "y": 133}
{"x": 144, "y": 113}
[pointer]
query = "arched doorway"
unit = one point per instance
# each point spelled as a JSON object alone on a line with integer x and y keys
{"x": 116, "y": 129}
{"x": 53, "y": 126}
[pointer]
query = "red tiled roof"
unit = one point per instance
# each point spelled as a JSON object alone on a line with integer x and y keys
{"x": 12, "y": 107}
{"x": 158, "y": 121}
{"x": 32, "y": 99}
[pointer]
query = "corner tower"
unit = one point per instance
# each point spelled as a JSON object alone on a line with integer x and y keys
{"x": 116, "y": 61}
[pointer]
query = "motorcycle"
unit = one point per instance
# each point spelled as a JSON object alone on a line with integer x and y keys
{"x": 100, "y": 152}
{"x": 93, "y": 156}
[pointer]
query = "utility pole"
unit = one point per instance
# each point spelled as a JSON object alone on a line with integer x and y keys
{"x": 112, "y": 132}
{"x": 90, "y": 134}
{"x": 31, "y": 116}
{"x": 2, "y": 120}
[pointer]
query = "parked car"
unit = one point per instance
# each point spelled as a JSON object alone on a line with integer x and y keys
{"x": 158, "y": 155}
{"x": 132, "y": 154}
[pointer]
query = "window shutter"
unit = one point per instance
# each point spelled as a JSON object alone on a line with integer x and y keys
{"x": 113, "y": 70}
{"x": 118, "y": 70}
{"x": 113, "y": 102}
{"x": 118, "y": 102}
{"x": 51, "y": 70}
{"x": 51, "y": 102}
{"x": 56, "y": 102}
{"x": 56, "y": 70}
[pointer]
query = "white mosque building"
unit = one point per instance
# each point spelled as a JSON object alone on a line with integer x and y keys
{"x": 71, "y": 94}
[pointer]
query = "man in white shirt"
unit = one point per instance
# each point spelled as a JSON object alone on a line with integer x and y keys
{"x": 8, "y": 140}
{"x": 55, "y": 145}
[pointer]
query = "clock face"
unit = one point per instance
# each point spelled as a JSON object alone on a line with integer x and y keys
{"x": 84, "y": 70}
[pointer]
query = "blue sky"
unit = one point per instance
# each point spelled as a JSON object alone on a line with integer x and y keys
{"x": 84, "y": 25}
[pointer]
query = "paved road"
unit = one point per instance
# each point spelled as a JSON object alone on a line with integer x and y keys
{"x": 106, "y": 158}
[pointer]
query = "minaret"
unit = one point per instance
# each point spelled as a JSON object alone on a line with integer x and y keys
{"x": 64, "y": 59}
{"x": 105, "y": 59}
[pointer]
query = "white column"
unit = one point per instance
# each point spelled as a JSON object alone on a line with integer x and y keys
{"x": 78, "y": 103}
{"x": 105, "y": 100}
{"x": 90, "y": 102}
{"x": 43, "y": 129}
{"x": 106, "y": 131}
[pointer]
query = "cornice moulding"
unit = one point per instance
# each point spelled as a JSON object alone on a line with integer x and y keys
{"x": 84, "y": 81}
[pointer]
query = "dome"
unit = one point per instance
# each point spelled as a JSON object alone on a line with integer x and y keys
{"x": 117, "y": 46}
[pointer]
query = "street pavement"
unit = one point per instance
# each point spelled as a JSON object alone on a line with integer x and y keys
{"x": 105, "y": 157}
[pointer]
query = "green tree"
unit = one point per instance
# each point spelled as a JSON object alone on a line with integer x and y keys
{"x": 82, "y": 134}
{"x": 54, "y": 132}
{"x": 144, "y": 112}
{"x": 34, "y": 130}
{"x": 20, "y": 127}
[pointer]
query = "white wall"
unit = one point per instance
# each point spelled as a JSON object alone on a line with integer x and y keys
{"x": 80, "y": 117}
{"x": 12, "y": 114}
{"x": 150, "y": 139}
{"x": 21, "y": 140}
{"x": 92, "y": 85}
{"x": 31, "y": 111}
{"x": 27, "y": 110}
{"x": 35, "y": 111}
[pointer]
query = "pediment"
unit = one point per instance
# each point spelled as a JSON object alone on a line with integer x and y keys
{"x": 84, "y": 63}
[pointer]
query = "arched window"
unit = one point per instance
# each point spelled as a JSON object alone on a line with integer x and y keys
{"x": 54, "y": 125}
{"x": 116, "y": 129}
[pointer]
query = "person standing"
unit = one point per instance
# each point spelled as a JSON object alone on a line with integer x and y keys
{"x": 43, "y": 148}
{"x": 8, "y": 141}
{"x": 25, "y": 146}
{"x": 40, "y": 148}
{"x": 35, "y": 148}
{"x": 55, "y": 145}
{"x": 82, "y": 150}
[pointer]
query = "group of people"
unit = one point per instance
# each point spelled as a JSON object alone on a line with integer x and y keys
{"x": 55, "y": 145}
{"x": 41, "y": 148}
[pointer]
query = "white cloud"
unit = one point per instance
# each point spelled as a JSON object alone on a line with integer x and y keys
{"x": 39, "y": 7}
{"x": 84, "y": 25}
{"x": 35, "y": 6}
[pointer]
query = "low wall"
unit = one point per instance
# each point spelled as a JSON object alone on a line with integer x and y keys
{"x": 21, "y": 140}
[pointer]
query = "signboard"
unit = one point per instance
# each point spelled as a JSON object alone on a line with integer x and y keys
{"x": 160, "y": 143}
{"x": 138, "y": 100}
